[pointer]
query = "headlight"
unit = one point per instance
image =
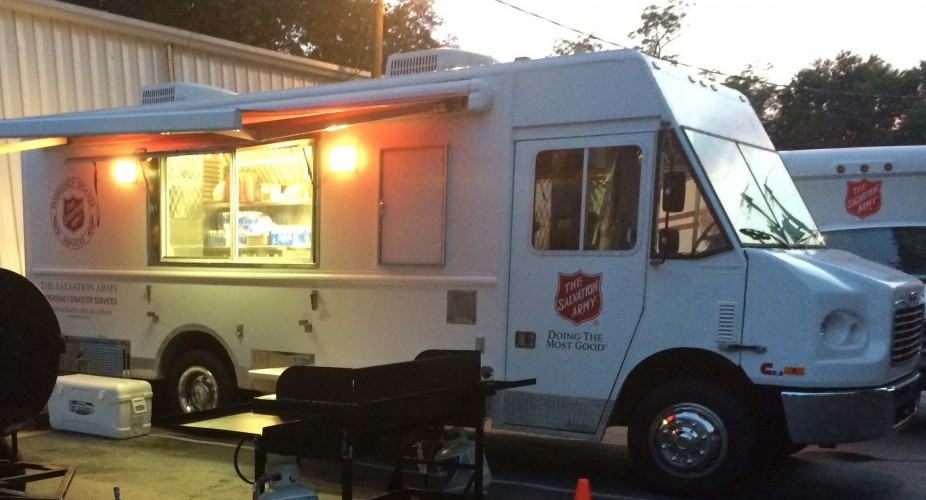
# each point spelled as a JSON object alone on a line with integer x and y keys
{"x": 842, "y": 330}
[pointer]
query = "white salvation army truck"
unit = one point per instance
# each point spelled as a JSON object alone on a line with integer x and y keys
{"x": 868, "y": 201}
{"x": 609, "y": 224}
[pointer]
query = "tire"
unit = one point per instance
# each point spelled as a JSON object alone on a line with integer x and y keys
{"x": 692, "y": 438}
{"x": 200, "y": 381}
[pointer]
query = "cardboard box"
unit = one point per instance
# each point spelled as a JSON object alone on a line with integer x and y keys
{"x": 112, "y": 407}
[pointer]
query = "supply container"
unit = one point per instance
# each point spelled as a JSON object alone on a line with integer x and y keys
{"x": 106, "y": 406}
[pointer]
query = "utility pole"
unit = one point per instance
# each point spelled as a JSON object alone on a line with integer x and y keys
{"x": 378, "y": 16}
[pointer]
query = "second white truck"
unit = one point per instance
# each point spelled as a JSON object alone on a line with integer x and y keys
{"x": 868, "y": 201}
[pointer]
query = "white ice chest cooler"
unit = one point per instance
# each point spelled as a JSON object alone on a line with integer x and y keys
{"x": 112, "y": 407}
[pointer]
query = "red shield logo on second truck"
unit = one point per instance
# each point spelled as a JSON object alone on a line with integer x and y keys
{"x": 863, "y": 198}
{"x": 578, "y": 297}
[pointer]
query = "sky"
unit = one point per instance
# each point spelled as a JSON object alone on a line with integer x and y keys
{"x": 721, "y": 35}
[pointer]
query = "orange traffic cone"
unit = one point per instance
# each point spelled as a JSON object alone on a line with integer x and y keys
{"x": 582, "y": 490}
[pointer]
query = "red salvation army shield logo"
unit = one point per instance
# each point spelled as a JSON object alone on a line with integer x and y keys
{"x": 73, "y": 213}
{"x": 578, "y": 297}
{"x": 863, "y": 198}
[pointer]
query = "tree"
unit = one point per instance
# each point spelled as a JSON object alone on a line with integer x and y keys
{"x": 761, "y": 94}
{"x": 844, "y": 102}
{"x": 661, "y": 26}
{"x": 335, "y": 31}
{"x": 912, "y": 128}
{"x": 580, "y": 45}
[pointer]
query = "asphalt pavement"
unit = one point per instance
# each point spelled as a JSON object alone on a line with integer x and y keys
{"x": 177, "y": 464}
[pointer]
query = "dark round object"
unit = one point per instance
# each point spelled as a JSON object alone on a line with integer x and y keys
{"x": 30, "y": 349}
{"x": 692, "y": 437}
{"x": 199, "y": 381}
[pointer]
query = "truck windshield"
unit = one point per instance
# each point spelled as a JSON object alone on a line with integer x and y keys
{"x": 756, "y": 192}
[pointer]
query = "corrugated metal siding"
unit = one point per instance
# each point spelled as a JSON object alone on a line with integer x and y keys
{"x": 65, "y": 67}
{"x": 57, "y": 58}
{"x": 235, "y": 74}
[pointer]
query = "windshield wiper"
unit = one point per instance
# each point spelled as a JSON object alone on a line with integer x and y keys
{"x": 809, "y": 236}
{"x": 762, "y": 236}
{"x": 772, "y": 223}
{"x": 788, "y": 216}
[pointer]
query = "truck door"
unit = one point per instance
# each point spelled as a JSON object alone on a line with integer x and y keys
{"x": 578, "y": 262}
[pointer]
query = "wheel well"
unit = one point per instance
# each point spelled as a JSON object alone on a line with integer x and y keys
{"x": 193, "y": 340}
{"x": 670, "y": 365}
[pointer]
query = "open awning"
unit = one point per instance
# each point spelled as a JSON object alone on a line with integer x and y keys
{"x": 248, "y": 117}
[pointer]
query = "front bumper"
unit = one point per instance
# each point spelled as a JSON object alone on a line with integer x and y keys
{"x": 848, "y": 416}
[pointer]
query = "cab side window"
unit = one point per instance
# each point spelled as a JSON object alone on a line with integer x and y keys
{"x": 587, "y": 199}
{"x": 685, "y": 225}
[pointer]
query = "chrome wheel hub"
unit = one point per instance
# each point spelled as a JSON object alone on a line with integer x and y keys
{"x": 688, "y": 440}
{"x": 197, "y": 390}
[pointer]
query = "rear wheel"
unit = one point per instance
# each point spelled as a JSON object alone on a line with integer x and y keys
{"x": 692, "y": 437}
{"x": 200, "y": 381}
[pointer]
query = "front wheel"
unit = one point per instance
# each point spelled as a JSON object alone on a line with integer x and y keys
{"x": 692, "y": 438}
{"x": 200, "y": 381}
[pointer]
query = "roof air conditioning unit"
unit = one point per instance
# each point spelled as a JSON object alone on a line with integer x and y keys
{"x": 160, "y": 93}
{"x": 428, "y": 61}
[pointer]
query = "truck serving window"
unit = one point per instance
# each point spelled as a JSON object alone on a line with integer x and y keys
{"x": 248, "y": 206}
{"x": 586, "y": 199}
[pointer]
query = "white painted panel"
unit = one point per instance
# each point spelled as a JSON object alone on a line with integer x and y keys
{"x": 29, "y": 77}
{"x": 47, "y": 84}
{"x": 413, "y": 206}
{"x": 237, "y": 75}
{"x": 10, "y": 89}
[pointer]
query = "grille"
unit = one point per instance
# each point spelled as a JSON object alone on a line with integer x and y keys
{"x": 158, "y": 95}
{"x": 108, "y": 358}
{"x": 726, "y": 321}
{"x": 908, "y": 334}
{"x": 424, "y": 63}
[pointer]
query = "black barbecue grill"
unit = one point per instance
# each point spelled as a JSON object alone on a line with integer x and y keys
{"x": 324, "y": 413}
{"x": 30, "y": 346}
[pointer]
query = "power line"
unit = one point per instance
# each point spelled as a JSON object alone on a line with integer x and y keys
{"x": 561, "y": 25}
{"x": 761, "y": 81}
{"x": 592, "y": 36}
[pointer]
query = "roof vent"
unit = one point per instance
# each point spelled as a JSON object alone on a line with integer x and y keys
{"x": 427, "y": 61}
{"x": 161, "y": 93}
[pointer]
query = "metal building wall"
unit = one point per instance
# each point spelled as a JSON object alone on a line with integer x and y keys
{"x": 56, "y": 57}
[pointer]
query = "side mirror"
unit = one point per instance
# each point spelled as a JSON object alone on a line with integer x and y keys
{"x": 673, "y": 191}
{"x": 668, "y": 241}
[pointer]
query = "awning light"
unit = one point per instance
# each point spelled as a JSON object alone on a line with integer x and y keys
{"x": 126, "y": 171}
{"x": 342, "y": 159}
